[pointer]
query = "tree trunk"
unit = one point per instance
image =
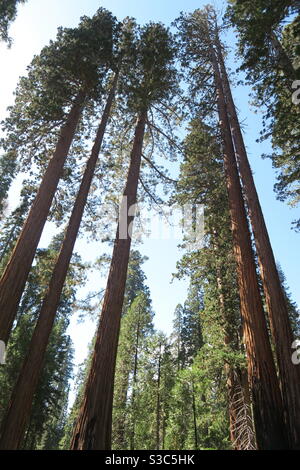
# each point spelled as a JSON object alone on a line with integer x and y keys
{"x": 263, "y": 382}
{"x": 120, "y": 401}
{"x": 14, "y": 424}
{"x": 194, "y": 416}
{"x": 14, "y": 277}
{"x": 276, "y": 303}
{"x": 240, "y": 422}
{"x": 134, "y": 382}
{"x": 93, "y": 428}
{"x": 157, "y": 433}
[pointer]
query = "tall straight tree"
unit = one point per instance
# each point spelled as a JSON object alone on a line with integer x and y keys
{"x": 14, "y": 424}
{"x": 261, "y": 368}
{"x": 202, "y": 182}
{"x": 263, "y": 381}
{"x": 280, "y": 323}
{"x": 80, "y": 43}
{"x": 152, "y": 81}
{"x": 136, "y": 326}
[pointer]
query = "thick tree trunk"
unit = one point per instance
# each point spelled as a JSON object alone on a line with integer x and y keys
{"x": 93, "y": 428}
{"x": 263, "y": 382}
{"x": 276, "y": 304}
{"x": 14, "y": 424}
{"x": 14, "y": 277}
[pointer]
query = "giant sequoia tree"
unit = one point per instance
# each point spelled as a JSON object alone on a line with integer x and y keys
{"x": 151, "y": 82}
{"x": 200, "y": 54}
{"x": 69, "y": 71}
{"x": 274, "y": 295}
{"x": 202, "y": 182}
{"x": 20, "y": 404}
{"x": 214, "y": 382}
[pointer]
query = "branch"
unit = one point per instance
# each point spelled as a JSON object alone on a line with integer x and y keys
{"x": 158, "y": 171}
{"x": 165, "y": 135}
{"x": 148, "y": 192}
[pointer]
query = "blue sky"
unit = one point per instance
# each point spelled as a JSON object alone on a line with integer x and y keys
{"x": 37, "y": 22}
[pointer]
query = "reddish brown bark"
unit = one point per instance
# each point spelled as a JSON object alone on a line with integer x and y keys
{"x": 239, "y": 406}
{"x": 239, "y": 411}
{"x": 93, "y": 428}
{"x": 14, "y": 277}
{"x": 276, "y": 304}
{"x": 263, "y": 382}
{"x": 158, "y": 402}
{"x": 14, "y": 424}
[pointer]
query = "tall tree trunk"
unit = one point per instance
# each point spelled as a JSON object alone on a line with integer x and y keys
{"x": 263, "y": 382}
{"x": 134, "y": 382}
{"x": 120, "y": 402}
{"x": 194, "y": 416}
{"x": 276, "y": 303}
{"x": 240, "y": 422}
{"x": 93, "y": 428}
{"x": 14, "y": 424}
{"x": 157, "y": 431}
{"x": 14, "y": 277}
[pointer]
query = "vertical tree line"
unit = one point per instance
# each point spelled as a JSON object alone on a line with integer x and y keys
{"x": 227, "y": 362}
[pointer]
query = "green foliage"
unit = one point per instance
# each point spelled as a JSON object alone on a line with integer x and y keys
{"x": 77, "y": 61}
{"x": 152, "y": 78}
{"x": 8, "y": 13}
{"x": 268, "y": 35}
{"x": 49, "y": 407}
{"x": 136, "y": 326}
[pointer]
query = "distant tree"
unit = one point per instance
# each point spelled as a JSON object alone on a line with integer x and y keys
{"x": 48, "y": 409}
{"x": 200, "y": 55}
{"x": 136, "y": 325}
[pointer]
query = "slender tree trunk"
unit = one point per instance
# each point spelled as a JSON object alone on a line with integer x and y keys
{"x": 14, "y": 424}
{"x": 240, "y": 419}
{"x": 93, "y": 428}
{"x": 194, "y": 416}
{"x": 14, "y": 277}
{"x": 263, "y": 382}
{"x": 158, "y": 402}
{"x": 164, "y": 425}
{"x": 10, "y": 237}
{"x": 120, "y": 401}
{"x": 134, "y": 382}
{"x": 276, "y": 303}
